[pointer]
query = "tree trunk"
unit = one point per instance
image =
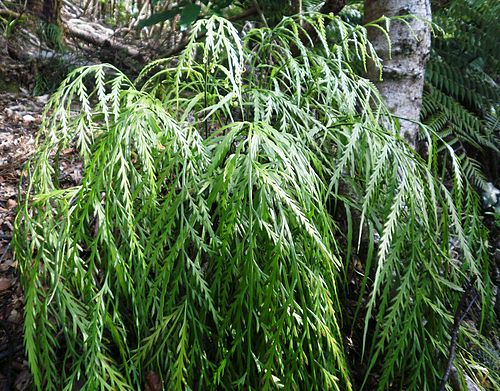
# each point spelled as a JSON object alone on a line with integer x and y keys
{"x": 403, "y": 65}
{"x": 47, "y": 10}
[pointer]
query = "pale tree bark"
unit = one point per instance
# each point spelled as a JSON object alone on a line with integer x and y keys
{"x": 404, "y": 67}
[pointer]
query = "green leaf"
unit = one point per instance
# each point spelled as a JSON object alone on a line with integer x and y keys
{"x": 189, "y": 15}
{"x": 158, "y": 18}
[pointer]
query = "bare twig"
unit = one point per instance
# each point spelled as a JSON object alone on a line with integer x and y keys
{"x": 5, "y": 251}
{"x": 260, "y": 13}
{"x": 460, "y": 314}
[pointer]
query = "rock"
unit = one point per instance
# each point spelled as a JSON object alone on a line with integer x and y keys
{"x": 471, "y": 386}
{"x": 9, "y": 112}
{"x": 28, "y": 118}
{"x": 15, "y": 317}
{"x": 456, "y": 384}
{"x": 153, "y": 382}
{"x": 23, "y": 381}
{"x": 42, "y": 99}
{"x": 11, "y": 204}
{"x": 4, "y": 284}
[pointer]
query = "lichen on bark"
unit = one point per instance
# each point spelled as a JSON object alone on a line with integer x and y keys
{"x": 403, "y": 59}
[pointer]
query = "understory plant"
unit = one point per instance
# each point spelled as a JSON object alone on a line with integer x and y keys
{"x": 462, "y": 95}
{"x": 201, "y": 245}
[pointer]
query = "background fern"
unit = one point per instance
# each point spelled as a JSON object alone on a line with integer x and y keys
{"x": 462, "y": 96}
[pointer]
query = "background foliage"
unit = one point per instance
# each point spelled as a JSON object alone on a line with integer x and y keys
{"x": 462, "y": 96}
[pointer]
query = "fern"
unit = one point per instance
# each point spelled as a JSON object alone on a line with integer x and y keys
{"x": 461, "y": 91}
{"x": 201, "y": 243}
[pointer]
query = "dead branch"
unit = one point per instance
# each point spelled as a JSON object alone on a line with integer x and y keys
{"x": 9, "y": 13}
{"x": 460, "y": 314}
{"x": 99, "y": 36}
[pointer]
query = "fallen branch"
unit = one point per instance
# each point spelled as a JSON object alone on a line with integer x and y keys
{"x": 5, "y": 251}
{"x": 9, "y": 13}
{"x": 100, "y": 36}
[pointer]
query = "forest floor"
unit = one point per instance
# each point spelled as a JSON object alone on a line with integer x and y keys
{"x": 20, "y": 119}
{"x": 20, "y": 116}
{"x": 28, "y": 66}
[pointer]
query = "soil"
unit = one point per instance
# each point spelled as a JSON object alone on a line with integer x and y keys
{"x": 28, "y": 67}
{"x": 20, "y": 116}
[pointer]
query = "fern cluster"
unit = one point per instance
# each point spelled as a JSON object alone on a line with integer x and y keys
{"x": 201, "y": 243}
{"x": 462, "y": 96}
